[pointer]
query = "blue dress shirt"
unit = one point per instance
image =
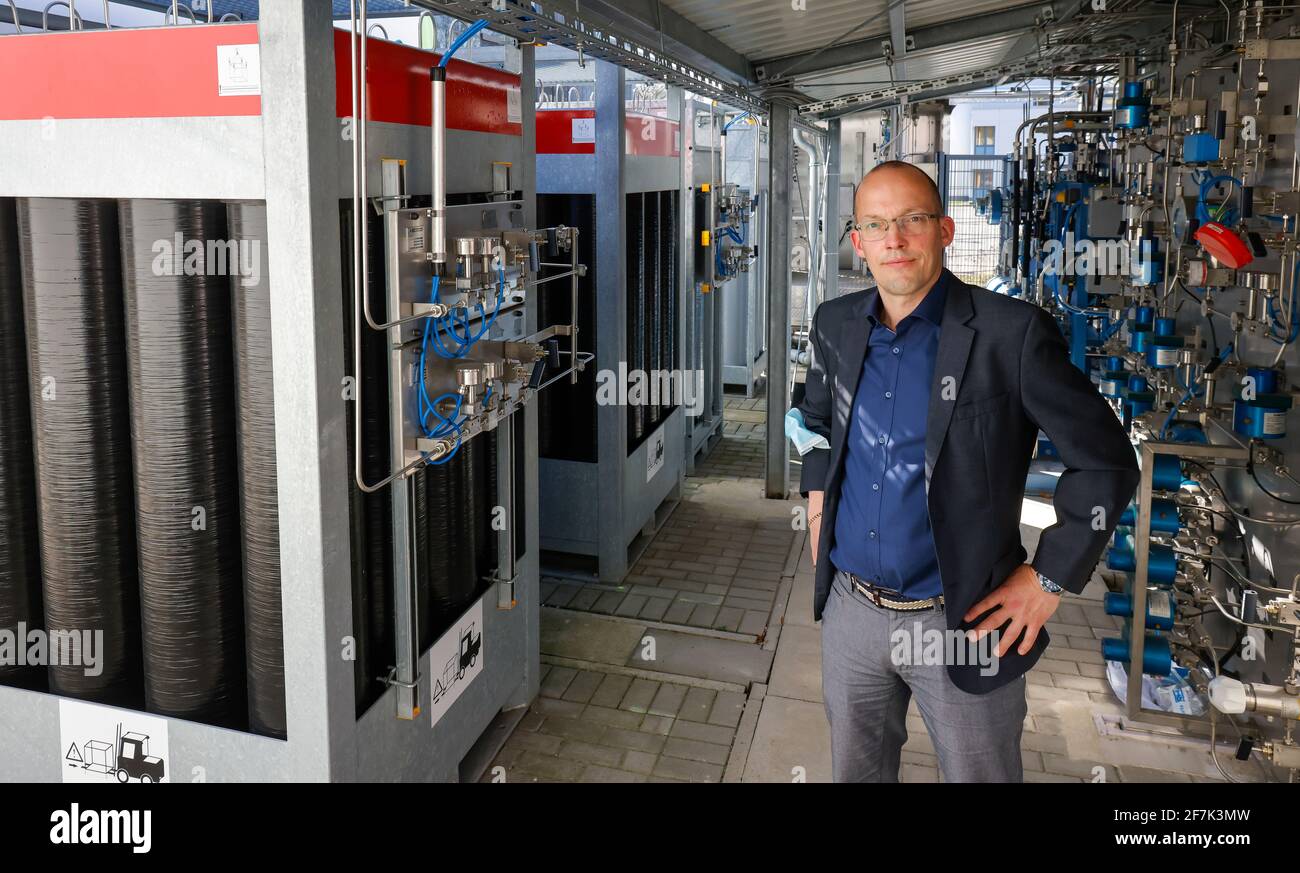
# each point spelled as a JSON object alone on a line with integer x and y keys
{"x": 882, "y": 526}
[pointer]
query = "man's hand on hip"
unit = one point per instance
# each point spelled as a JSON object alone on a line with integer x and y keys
{"x": 1019, "y": 600}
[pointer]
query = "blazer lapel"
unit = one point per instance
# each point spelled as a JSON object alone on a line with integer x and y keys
{"x": 955, "y": 338}
{"x": 854, "y": 335}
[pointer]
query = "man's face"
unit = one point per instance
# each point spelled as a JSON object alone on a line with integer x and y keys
{"x": 902, "y": 264}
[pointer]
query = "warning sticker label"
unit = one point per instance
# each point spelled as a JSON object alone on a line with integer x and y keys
{"x": 104, "y": 744}
{"x": 455, "y": 660}
{"x": 239, "y": 70}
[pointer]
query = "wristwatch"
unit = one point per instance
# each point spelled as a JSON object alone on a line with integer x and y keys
{"x": 1048, "y": 585}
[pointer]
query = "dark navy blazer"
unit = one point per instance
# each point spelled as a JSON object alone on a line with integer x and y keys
{"x": 1002, "y": 372}
{"x": 882, "y": 524}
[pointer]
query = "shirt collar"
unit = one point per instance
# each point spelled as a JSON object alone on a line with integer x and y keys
{"x": 930, "y": 308}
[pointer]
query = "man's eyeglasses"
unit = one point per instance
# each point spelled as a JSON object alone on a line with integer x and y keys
{"x": 912, "y": 224}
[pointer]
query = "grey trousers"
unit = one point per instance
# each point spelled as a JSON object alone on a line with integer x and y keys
{"x": 867, "y": 684}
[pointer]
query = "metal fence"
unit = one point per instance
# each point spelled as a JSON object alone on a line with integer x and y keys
{"x": 973, "y": 255}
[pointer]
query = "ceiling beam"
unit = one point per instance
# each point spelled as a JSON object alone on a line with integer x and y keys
{"x": 931, "y": 36}
{"x": 657, "y": 24}
{"x": 891, "y": 100}
{"x": 898, "y": 36}
{"x": 1029, "y": 40}
{"x": 1144, "y": 39}
{"x": 597, "y": 36}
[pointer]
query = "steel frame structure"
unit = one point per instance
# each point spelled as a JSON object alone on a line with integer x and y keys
{"x": 282, "y": 155}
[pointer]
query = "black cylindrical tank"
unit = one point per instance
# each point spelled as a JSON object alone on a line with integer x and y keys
{"x": 20, "y": 562}
{"x": 77, "y": 372}
{"x": 258, "y": 486}
{"x": 179, "y": 351}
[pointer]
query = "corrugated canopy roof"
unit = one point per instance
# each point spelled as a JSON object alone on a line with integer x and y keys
{"x": 828, "y": 49}
{"x": 773, "y": 28}
{"x": 834, "y": 56}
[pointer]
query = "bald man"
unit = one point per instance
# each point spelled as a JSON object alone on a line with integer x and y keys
{"x": 931, "y": 393}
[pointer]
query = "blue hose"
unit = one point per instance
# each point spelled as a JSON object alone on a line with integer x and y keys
{"x": 1191, "y": 392}
{"x": 1119, "y": 322}
{"x": 1203, "y": 211}
{"x": 464, "y": 37}
{"x": 456, "y": 324}
{"x": 427, "y": 407}
{"x": 1277, "y": 325}
{"x": 735, "y": 120}
{"x": 1060, "y": 237}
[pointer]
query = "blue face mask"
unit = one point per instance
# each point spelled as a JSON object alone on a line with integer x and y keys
{"x": 804, "y": 440}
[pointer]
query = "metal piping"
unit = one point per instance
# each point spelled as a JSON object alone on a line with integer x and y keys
{"x": 438, "y": 128}
{"x": 816, "y": 170}
{"x": 175, "y": 14}
{"x": 74, "y": 20}
{"x": 359, "y": 277}
{"x": 1169, "y": 124}
{"x": 419, "y": 29}
{"x": 1028, "y": 154}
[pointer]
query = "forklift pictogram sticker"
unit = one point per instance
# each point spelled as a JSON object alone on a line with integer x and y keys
{"x": 465, "y": 657}
{"x": 128, "y": 759}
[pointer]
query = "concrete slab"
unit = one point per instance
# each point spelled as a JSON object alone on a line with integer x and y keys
{"x": 580, "y": 635}
{"x": 686, "y": 654}
{"x": 799, "y": 610}
{"x": 743, "y": 498}
{"x": 791, "y": 734}
{"x": 797, "y": 670}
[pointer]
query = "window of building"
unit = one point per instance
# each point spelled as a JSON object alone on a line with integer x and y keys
{"x": 984, "y": 139}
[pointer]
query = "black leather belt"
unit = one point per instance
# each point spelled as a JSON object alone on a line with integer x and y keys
{"x": 877, "y": 595}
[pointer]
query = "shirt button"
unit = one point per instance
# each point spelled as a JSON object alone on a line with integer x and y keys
{"x": 872, "y": 534}
{"x": 875, "y": 486}
{"x": 882, "y": 439}
{"x": 897, "y": 350}
{"x": 889, "y": 395}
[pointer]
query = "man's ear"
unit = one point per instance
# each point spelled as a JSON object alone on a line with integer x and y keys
{"x": 948, "y": 228}
{"x": 857, "y": 244}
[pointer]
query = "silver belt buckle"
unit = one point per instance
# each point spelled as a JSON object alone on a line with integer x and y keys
{"x": 874, "y": 596}
{"x": 869, "y": 593}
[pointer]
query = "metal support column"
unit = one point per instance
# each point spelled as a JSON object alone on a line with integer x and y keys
{"x": 898, "y": 37}
{"x": 713, "y": 304}
{"x": 685, "y": 289}
{"x": 778, "y": 302}
{"x": 611, "y": 308}
{"x": 1141, "y": 571}
{"x": 526, "y": 596}
{"x": 297, "y": 61}
{"x": 831, "y": 221}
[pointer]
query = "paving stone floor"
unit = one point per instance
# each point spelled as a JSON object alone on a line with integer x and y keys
{"x": 711, "y": 565}
{"x": 589, "y": 726}
{"x": 729, "y": 572}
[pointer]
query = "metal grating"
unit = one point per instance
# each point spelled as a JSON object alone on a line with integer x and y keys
{"x": 596, "y": 39}
{"x": 763, "y": 29}
{"x": 951, "y": 59}
{"x": 973, "y": 255}
{"x": 1086, "y": 44}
